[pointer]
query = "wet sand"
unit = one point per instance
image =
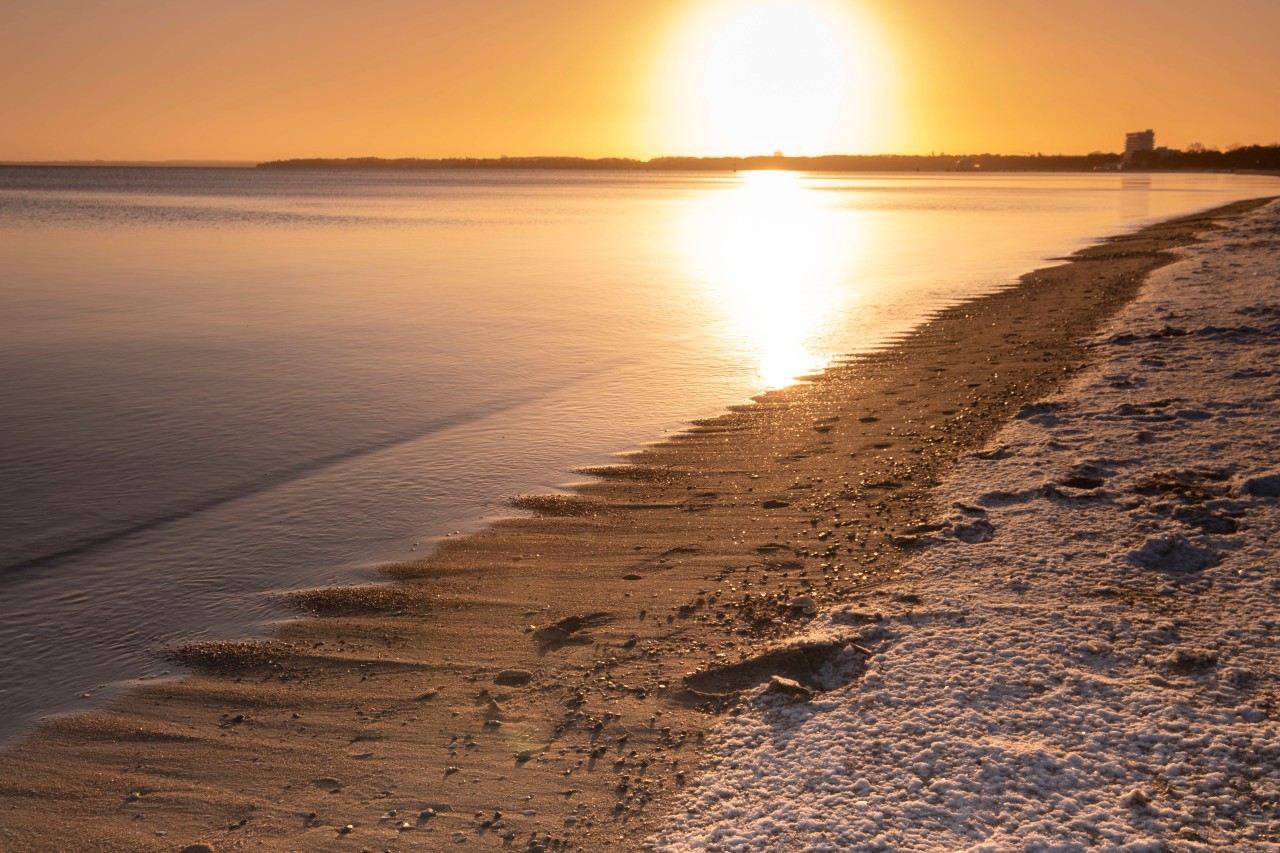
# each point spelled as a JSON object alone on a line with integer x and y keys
{"x": 546, "y": 683}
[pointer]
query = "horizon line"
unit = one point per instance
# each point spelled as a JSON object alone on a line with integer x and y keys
{"x": 779, "y": 156}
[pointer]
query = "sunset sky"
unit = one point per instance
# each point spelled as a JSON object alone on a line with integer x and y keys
{"x": 267, "y": 79}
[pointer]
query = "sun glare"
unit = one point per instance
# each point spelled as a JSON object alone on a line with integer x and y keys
{"x": 802, "y": 77}
{"x": 774, "y": 78}
{"x": 774, "y": 256}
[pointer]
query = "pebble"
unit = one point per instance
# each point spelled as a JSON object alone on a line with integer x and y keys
{"x": 788, "y": 687}
{"x": 804, "y": 603}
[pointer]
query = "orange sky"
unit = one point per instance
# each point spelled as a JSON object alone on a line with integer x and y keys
{"x": 234, "y": 79}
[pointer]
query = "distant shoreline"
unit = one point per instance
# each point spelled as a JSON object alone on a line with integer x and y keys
{"x": 1254, "y": 161}
{"x": 1253, "y": 158}
{"x": 828, "y": 163}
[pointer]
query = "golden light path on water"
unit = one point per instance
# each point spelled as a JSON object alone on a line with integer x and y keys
{"x": 776, "y": 257}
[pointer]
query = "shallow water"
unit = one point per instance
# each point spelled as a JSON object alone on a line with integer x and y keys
{"x": 224, "y": 383}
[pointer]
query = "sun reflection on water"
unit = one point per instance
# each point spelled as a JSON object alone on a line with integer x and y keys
{"x": 775, "y": 256}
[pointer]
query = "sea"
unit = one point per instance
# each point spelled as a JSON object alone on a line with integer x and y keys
{"x": 223, "y": 384}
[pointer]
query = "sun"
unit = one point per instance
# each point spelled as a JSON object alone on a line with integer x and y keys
{"x": 797, "y": 76}
{"x": 774, "y": 78}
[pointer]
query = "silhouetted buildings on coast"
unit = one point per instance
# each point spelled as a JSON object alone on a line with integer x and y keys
{"x": 1142, "y": 140}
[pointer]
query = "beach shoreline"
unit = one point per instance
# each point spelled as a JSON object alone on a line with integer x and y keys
{"x": 528, "y": 686}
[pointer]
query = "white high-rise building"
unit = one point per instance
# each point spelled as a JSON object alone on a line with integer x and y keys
{"x": 1142, "y": 140}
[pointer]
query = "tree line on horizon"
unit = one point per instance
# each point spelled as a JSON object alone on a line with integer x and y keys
{"x": 825, "y": 163}
{"x": 1251, "y": 157}
{"x": 1247, "y": 157}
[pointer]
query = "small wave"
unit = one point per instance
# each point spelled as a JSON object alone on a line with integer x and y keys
{"x": 298, "y": 472}
{"x": 34, "y": 210}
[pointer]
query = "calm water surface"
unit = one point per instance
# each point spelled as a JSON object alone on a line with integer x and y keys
{"x": 221, "y": 384}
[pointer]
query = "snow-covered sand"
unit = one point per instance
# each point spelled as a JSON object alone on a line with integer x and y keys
{"x": 1086, "y": 657}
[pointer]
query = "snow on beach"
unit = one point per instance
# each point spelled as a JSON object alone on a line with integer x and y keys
{"x": 1087, "y": 657}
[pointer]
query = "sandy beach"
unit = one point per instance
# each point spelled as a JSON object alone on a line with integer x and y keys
{"x": 551, "y": 682}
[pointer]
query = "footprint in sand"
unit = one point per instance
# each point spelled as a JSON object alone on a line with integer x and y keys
{"x": 974, "y": 532}
{"x": 1173, "y": 554}
{"x": 814, "y": 667}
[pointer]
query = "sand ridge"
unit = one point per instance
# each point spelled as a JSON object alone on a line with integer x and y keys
{"x": 547, "y": 683}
